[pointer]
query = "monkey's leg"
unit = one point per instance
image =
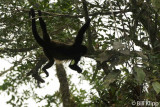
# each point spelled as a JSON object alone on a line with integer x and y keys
{"x": 37, "y": 77}
{"x": 48, "y": 65}
{"x": 75, "y": 66}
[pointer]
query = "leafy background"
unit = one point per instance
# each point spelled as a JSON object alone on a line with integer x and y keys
{"x": 121, "y": 67}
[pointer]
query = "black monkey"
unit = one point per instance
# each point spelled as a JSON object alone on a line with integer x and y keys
{"x": 57, "y": 50}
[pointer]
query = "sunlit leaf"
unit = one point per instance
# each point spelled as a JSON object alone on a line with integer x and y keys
{"x": 102, "y": 57}
{"x": 111, "y": 77}
{"x": 118, "y": 45}
{"x": 140, "y": 74}
{"x": 156, "y": 86}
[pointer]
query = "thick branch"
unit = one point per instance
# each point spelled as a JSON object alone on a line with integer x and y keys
{"x": 64, "y": 87}
{"x": 17, "y": 50}
{"x": 80, "y": 16}
{"x": 149, "y": 26}
{"x": 144, "y": 15}
{"x": 141, "y": 44}
{"x": 133, "y": 36}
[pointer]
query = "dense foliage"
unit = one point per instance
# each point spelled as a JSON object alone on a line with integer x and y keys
{"x": 121, "y": 67}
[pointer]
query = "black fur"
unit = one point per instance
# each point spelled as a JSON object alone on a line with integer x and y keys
{"x": 56, "y": 50}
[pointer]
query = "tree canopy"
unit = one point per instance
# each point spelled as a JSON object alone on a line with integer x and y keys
{"x": 122, "y": 63}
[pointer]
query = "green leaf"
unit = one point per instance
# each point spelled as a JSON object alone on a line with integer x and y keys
{"x": 140, "y": 74}
{"x": 156, "y": 86}
{"x": 111, "y": 77}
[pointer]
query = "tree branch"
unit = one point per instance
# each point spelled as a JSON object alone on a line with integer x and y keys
{"x": 79, "y": 16}
{"x": 144, "y": 14}
{"x": 64, "y": 87}
{"x": 34, "y": 71}
{"x": 18, "y": 50}
{"x": 11, "y": 68}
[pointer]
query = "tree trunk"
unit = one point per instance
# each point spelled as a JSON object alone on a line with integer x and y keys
{"x": 64, "y": 87}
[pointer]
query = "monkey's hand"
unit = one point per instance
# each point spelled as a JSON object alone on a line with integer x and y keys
{"x": 76, "y": 68}
{"x": 39, "y": 13}
{"x": 32, "y": 13}
{"x": 45, "y": 71}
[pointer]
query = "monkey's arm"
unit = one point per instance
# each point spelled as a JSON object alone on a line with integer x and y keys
{"x": 79, "y": 37}
{"x": 75, "y": 66}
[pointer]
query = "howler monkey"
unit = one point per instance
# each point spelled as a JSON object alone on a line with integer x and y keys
{"x": 57, "y": 50}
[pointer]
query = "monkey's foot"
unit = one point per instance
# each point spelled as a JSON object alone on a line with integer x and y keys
{"x": 38, "y": 78}
{"x": 76, "y": 68}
